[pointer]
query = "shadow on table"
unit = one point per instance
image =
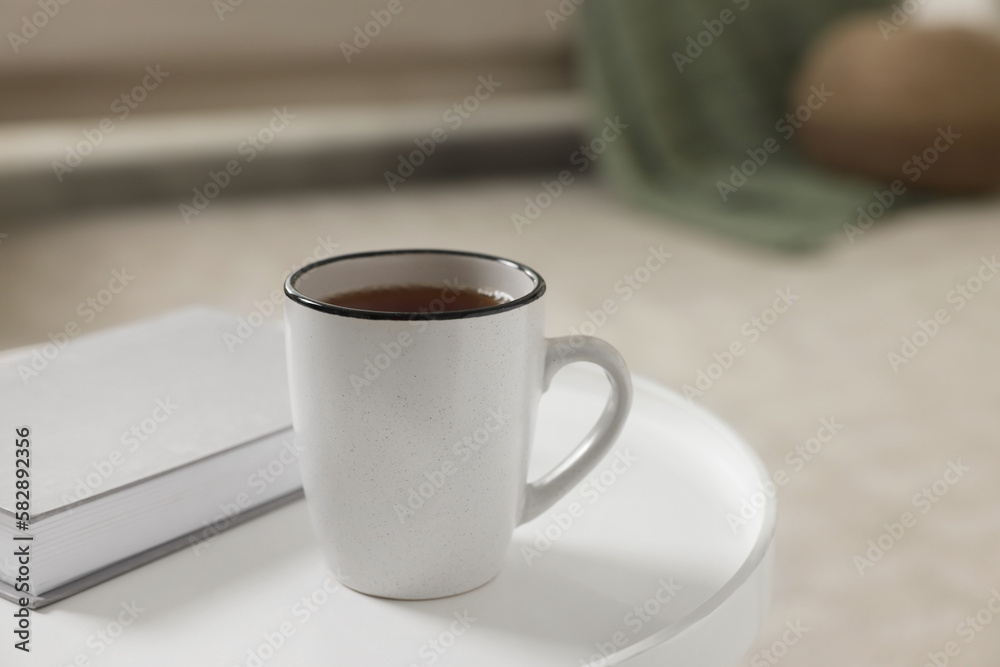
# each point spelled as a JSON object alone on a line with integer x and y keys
{"x": 577, "y": 599}
{"x": 231, "y": 559}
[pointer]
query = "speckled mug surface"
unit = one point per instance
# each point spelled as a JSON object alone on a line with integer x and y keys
{"x": 415, "y": 427}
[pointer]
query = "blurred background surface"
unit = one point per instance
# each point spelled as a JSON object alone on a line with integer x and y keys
{"x": 328, "y": 127}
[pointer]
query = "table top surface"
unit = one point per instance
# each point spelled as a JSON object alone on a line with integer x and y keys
{"x": 637, "y": 556}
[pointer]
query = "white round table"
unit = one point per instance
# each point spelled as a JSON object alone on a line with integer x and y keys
{"x": 660, "y": 558}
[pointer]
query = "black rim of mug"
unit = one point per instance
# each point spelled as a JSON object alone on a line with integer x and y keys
{"x": 292, "y": 293}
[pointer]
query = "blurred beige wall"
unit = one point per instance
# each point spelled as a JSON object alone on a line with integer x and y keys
{"x": 235, "y": 52}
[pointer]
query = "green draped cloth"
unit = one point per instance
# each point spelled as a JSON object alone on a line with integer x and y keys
{"x": 703, "y": 89}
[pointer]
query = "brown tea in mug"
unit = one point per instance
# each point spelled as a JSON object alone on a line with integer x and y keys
{"x": 416, "y": 299}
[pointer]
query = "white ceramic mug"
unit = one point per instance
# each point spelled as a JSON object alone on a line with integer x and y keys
{"x": 415, "y": 427}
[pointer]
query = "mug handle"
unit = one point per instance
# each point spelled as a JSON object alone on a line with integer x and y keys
{"x": 545, "y": 491}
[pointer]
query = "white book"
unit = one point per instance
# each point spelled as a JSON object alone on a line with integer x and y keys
{"x": 144, "y": 439}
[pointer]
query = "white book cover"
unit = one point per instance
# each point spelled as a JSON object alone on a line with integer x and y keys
{"x": 140, "y": 405}
{"x": 123, "y": 404}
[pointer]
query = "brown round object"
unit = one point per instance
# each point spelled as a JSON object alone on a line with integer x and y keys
{"x": 896, "y": 96}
